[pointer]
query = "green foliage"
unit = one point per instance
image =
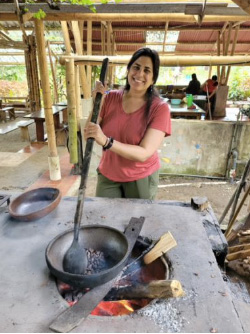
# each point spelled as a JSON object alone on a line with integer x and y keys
{"x": 89, "y": 3}
{"x": 13, "y": 73}
{"x": 239, "y": 84}
{"x": 40, "y": 14}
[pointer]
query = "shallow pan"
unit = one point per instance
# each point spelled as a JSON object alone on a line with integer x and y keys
{"x": 35, "y": 204}
{"x": 111, "y": 242}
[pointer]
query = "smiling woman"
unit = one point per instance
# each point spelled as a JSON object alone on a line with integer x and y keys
{"x": 132, "y": 125}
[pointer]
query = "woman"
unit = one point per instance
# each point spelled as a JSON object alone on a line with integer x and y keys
{"x": 193, "y": 86}
{"x": 209, "y": 88}
{"x": 131, "y": 127}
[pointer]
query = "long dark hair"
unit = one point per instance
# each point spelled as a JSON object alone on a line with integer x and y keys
{"x": 151, "y": 91}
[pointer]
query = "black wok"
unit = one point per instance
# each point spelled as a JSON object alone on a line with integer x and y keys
{"x": 113, "y": 243}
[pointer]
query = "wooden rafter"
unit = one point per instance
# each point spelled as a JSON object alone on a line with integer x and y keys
{"x": 165, "y": 36}
{"x": 166, "y": 60}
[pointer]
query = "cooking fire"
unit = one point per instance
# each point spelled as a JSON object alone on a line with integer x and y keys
{"x": 134, "y": 275}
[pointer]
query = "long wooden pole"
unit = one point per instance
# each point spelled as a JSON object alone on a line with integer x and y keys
{"x": 218, "y": 54}
{"x": 71, "y": 99}
{"x": 53, "y": 158}
{"x": 53, "y": 74}
{"x": 89, "y": 52}
{"x": 79, "y": 50}
{"x": 167, "y": 60}
{"x": 233, "y": 50}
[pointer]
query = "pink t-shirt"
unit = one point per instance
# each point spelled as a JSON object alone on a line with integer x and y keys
{"x": 130, "y": 129}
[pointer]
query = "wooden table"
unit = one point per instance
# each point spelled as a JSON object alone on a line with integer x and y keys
{"x": 182, "y": 111}
{"x": 39, "y": 118}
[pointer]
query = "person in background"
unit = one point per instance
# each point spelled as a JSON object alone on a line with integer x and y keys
{"x": 209, "y": 88}
{"x": 131, "y": 127}
{"x": 194, "y": 86}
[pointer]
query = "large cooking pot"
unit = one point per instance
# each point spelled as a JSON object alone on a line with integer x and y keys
{"x": 113, "y": 243}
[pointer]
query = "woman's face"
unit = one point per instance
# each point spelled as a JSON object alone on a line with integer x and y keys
{"x": 140, "y": 74}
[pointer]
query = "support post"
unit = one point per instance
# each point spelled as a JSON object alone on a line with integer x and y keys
{"x": 54, "y": 165}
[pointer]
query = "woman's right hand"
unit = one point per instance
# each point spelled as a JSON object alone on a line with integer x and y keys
{"x": 99, "y": 88}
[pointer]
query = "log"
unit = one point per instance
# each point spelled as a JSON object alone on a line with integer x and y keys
{"x": 238, "y": 248}
{"x": 238, "y": 255}
{"x": 155, "y": 289}
{"x": 244, "y": 239}
{"x": 165, "y": 243}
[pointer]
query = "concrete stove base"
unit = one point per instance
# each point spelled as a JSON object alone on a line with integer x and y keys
{"x": 30, "y": 300}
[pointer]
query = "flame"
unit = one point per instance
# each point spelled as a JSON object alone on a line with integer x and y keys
{"x": 127, "y": 305}
{"x": 121, "y": 307}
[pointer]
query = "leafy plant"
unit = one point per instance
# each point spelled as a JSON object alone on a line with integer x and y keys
{"x": 239, "y": 85}
{"x": 89, "y": 3}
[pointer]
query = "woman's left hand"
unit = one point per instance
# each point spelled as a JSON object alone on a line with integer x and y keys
{"x": 93, "y": 130}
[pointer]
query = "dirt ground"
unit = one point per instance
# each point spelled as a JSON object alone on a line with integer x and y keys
{"x": 218, "y": 192}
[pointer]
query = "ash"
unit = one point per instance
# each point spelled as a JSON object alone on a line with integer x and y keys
{"x": 165, "y": 314}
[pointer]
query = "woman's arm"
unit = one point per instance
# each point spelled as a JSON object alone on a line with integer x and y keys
{"x": 213, "y": 92}
{"x": 149, "y": 144}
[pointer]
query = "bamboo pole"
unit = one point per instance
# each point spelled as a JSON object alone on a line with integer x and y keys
{"x": 233, "y": 50}
{"x": 210, "y": 71}
{"x": 71, "y": 99}
{"x": 77, "y": 97}
{"x": 222, "y": 74}
{"x": 79, "y": 50}
{"x": 218, "y": 54}
{"x": 66, "y": 37}
{"x": 53, "y": 158}
{"x": 89, "y": 52}
{"x": 35, "y": 98}
{"x": 166, "y": 60}
{"x": 113, "y": 49}
{"x": 109, "y": 30}
{"x": 53, "y": 74}
{"x": 103, "y": 38}
{"x": 124, "y": 17}
{"x": 165, "y": 36}
{"x": 81, "y": 28}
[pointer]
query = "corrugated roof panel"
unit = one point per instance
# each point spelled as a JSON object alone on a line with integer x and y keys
{"x": 193, "y": 49}
{"x": 198, "y": 36}
{"x": 129, "y": 36}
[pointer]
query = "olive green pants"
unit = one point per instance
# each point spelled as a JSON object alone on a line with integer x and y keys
{"x": 144, "y": 188}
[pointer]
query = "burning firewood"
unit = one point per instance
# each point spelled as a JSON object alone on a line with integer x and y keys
{"x": 154, "y": 289}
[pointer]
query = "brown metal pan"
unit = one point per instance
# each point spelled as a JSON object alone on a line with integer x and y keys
{"x": 35, "y": 204}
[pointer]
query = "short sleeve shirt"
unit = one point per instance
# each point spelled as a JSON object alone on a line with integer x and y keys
{"x": 130, "y": 129}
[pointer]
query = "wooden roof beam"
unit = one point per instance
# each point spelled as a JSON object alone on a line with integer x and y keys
{"x": 134, "y": 28}
{"x": 118, "y": 12}
{"x": 166, "y": 60}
